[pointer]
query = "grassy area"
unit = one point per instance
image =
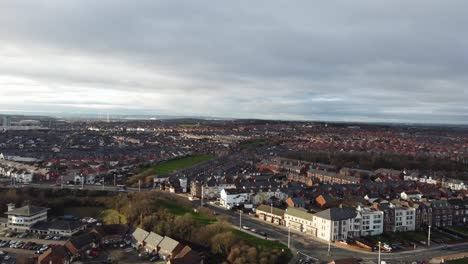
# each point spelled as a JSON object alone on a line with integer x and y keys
{"x": 83, "y": 211}
{"x": 253, "y": 143}
{"x": 171, "y": 166}
{"x": 458, "y": 261}
{"x": 262, "y": 243}
{"x": 180, "y": 210}
{"x": 167, "y": 167}
{"x": 459, "y": 229}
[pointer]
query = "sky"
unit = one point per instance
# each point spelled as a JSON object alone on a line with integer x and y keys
{"x": 386, "y": 61}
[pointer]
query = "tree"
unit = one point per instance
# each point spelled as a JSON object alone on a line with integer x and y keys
{"x": 222, "y": 243}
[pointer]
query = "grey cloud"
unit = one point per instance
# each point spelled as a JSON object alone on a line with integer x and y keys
{"x": 337, "y": 60}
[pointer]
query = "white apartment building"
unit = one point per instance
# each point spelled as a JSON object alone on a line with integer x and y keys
{"x": 405, "y": 219}
{"x": 336, "y": 224}
{"x": 371, "y": 221}
{"x": 233, "y": 197}
{"x": 23, "y": 218}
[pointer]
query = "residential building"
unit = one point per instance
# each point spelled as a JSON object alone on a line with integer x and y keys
{"x": 336, "y": 224}
{"x": 371, "y": 221}
{"x": 234, "y": 197}
{"x": 299, "y": 219}
{"x": 168, "y": 248}
{"x": 152, "y": 242}
{"x": 442, "y": 213}
{"x": 55, "y": 255}
{"x": 411, "y": 195}
{"x": 270, "y": 214}
{"x": 405, "y": 218}
{"x": 138, "y": 237}
{"x": 460, "y": 211}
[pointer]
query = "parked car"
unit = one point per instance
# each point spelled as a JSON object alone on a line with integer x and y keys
{"x": 154, "y": 258}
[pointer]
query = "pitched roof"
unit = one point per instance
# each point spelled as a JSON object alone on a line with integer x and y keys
{"x": 27, "y": 210}
{"x": 56, "y": 252}
{"x": 337, "y": 214}
{"x": 153, "y": 239}
{"x": 83, "y": 240}
{"x": 267, "y": 208}
{"x": 168, "y": 244}
{"x": 299, "y": 213}
{"x": 140, "y": 234}
{"x": 186, "y": 256}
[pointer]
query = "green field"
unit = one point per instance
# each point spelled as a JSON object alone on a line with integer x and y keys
{"x": 262, "y": 243}
{"x": 458, "y": 261}
{"x": 171, "y": 166}
{"x": 252, "y": 143}
{"x": 83, "y": 211}
{"x": 180, "y": 210}
{"x": 459, "y": 229}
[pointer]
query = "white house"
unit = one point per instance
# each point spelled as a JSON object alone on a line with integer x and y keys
{"x": 265, "y": 196}
{"x": 299, "y": 219}
{"x": 23, "y": 218}
{"x": 336, "y": 224}
{"x": 371, "y": 221}
{"x": 405, "y": 219}
{"x": 234, "y": 197}
{"x": 454, "y": 184}
{"x": 411, "y": 195}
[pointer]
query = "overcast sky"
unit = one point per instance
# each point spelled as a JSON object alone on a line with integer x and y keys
{"x": 404, "y": 61}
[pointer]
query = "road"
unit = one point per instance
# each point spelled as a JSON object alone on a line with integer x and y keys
{"x": 299, "y": 242}
{"x": 313, "y": 247}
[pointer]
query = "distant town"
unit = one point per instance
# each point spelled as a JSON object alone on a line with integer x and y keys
{"x": 185, "y": 190}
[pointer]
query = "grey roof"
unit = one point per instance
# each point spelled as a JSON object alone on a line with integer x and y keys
{"x": 140, "y": 234}
{"x": 299, "y": 213}
{"x": 168, "y": 244}
{"x": 267, "y": 209}
{"x": 57, "y": 225}
{"x": 337, "y": 214}
{"x": 27, "y": 210}
{"x": 153, "y": 239}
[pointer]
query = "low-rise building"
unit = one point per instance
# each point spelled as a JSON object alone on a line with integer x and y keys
{"x": 152, "y": 242}
{"x": 270, "y": 214}
{"x": 299, "y": 219}
{"x": 23, "y": 218}
{"x": 168, "y": 248}
{"x": 234, "y": 197}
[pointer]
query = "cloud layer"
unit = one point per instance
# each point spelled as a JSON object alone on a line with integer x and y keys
{"x": 340, "y": 60}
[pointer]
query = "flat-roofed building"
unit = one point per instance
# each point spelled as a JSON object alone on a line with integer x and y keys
{"x": 23, "y": 218}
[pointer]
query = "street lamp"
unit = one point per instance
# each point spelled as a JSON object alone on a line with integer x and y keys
{"x": 379, "y": 254}
{"x": 331, "y": 237}
{"x": 429, "y": 237}
{"x": 240, "y": 219}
